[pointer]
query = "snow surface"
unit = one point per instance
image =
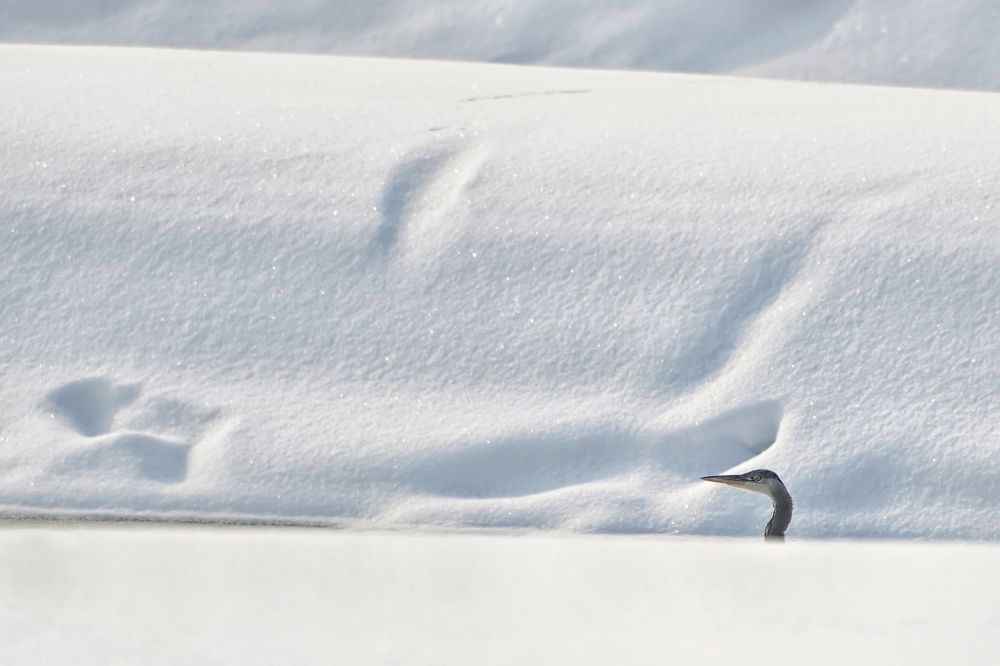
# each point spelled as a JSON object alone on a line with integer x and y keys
{"x": 334, "y": 290}
{"x": 355, "y": 292}
{"x": 938, "y": 43}
{"x": 170, "y": 596}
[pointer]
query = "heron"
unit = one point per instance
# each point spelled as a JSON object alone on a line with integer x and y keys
{"x": 766, "y": 482}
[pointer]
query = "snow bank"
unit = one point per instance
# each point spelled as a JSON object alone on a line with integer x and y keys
{"x": 276, "y": 287}
{"x": 938, "y": 43}
{"x": 168, "y": 596}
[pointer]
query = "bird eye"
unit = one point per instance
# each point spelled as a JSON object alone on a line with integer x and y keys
{"x": 757, "y": 478}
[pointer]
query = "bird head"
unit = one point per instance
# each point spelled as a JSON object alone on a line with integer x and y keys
{"x": 762, "y": 481}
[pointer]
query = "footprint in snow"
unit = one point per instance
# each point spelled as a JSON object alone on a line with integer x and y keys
{"x": 124, "y": 435}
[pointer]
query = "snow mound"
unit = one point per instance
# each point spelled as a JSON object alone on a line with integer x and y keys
{"x": 935, "y": 43}
{"x": 300, "y": 288}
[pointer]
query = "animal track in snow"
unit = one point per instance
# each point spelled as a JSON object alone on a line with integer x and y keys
{"x": 135, "y": 455}
{"x": 526, "y": 465}
{"x": 89, "y": 405}
{"x": 542, "y": 93}
{"x": 126, "y": 436}
{"x": 418, "y": 196}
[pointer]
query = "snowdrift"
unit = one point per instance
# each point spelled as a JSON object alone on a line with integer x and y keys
{"x": 319, "y": 289}
{"x": 935, "y": 43}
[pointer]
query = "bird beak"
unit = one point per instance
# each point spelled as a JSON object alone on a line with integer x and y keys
{"x": 728, "y": 479}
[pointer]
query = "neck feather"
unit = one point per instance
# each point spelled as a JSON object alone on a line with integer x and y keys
{"x": 782, "y": 515}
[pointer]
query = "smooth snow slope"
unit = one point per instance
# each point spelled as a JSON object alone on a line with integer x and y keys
{"x": 169, "y": 596}
{"x": 315, "y": 288}
{"x": 939, "y": 43}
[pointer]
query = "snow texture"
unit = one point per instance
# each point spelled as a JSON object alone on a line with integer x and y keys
{"x": 317, "y": 289}
{"x": 936, "y": 43}
{"x": 356, "y": 292}
{"x": 312, "y": 289}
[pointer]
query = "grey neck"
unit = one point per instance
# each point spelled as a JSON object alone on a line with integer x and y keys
{"x": 782, "y": 515}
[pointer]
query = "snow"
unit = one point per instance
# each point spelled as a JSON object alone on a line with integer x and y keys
{"x": 303, "y": 288}
{"x": 170, "y": 595}
{"x": 494, "y": 321}
{"x": 936, "y": 43}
